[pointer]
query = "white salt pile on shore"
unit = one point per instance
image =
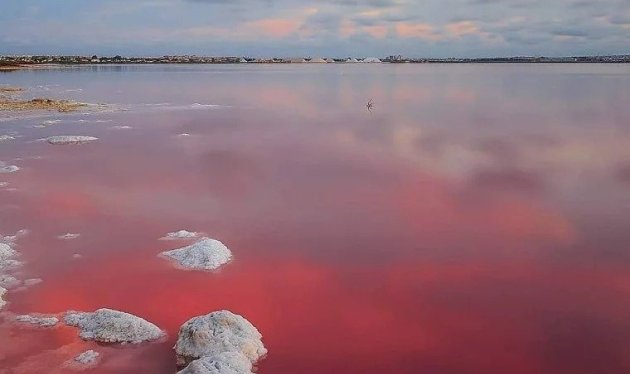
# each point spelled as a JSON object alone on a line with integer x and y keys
{"x": 112, "y": 326}
{"x": 70, "y": 139}
{"x": 206, "y": 254}
{"x": 218, "y": 343}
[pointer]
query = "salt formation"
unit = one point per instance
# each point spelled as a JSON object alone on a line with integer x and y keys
{"x": 206, "y": 254}
{"x": 70, "y": 139}
{"x": 8, "y": 262}
{"x": 85, "y": 360}
{"x": 39, "y": 321}
{"x": 48, "y": 123}
{"x": 6, "y": 137}
{"x": 4, "y": 168}
{"x": 181, "y": 234}
{"x": 32, "y": 281}
{"x": 8, "y": 258}
{"x": 24, "y": 285}
{"x": 224, "y": 363}
{"x": 6, "y": 252}
{"x": 68, "y": 236}
{"x": 8, "y": 281}
{"x": 87, "y": 357}
{"x": 12, "y": 238}
{"x": 212, "y": 336}
{"x": 2, "y": 292}
{"x": 112, "y": 326}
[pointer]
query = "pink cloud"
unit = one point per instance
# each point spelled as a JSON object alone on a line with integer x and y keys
{"x": 275, "y": 27}
{"x": 347, "y": 28}
{"x": 417, "y": 30}
{"x": 462, "y": 28}
{"x": 377, "y": 31}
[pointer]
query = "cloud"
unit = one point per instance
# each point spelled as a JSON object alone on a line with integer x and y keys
{"x": 274, "y": 27}
{"x": 327, "y": 27}
{"x": 417, "y": 30}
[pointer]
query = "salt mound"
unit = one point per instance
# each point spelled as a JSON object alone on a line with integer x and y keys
{"x": 8, "y": 257}
{"x": 224, "y": 363}
{"x": 2, "y": 292}
{"x": 39, "y": 321}
{"x": 87, "y": 357}
{"x": 86, "y": 360}
{"x": 8, "y": 281}
{"x": 112, "y": 326}
{"x": 215, "y": 334}
{"x": 4, "y": 168}
{"x": 12, "y": 238}
{"x": 32, "y": 282}
{"x": 68, "y": 236}
{"x": 24, "y": 285}
{"x": 6, "y": 137}
{"x": 6, "y": 252}
{"x": 48, "y": 123}
{"x": 70, "y": 139}
{"x": 206, "y": 254}
{"x": 181, "y": 234}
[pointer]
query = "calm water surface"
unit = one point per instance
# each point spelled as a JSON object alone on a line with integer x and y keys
{"x": 476, "y": 221}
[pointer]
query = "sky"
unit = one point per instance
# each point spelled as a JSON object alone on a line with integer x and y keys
{"x": 327, "y": 28}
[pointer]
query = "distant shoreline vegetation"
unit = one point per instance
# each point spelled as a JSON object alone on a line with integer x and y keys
{"x": 8, "y": 63}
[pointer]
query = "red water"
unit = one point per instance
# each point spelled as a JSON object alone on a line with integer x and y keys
{"x": 476, "y": 221}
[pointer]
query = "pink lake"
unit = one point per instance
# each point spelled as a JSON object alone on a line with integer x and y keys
{"x": 477, "y": 220}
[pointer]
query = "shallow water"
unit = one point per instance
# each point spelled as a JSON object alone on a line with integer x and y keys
{"x": 477, "y": 220}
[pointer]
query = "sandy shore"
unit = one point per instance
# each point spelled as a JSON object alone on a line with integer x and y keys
{"x": 39, "y": 104}
{"x": 18, "y": 67}
{"x": 9, "y": 103}
{"x": 10, "y": 90}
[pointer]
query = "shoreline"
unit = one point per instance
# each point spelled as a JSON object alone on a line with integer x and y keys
{"x": 25, "y": 62}
{"x": 475, "y": 62}
{"x": 10, "y": 103}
